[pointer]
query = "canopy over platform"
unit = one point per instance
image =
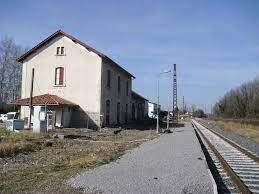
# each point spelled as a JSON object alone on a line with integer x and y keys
{"x": 45, "y": 99}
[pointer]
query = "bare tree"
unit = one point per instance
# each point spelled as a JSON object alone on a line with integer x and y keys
{"x": 10, "y": 71}
{"x": 242, "y": 102}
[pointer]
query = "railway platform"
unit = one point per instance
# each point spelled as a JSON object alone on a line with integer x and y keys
{"x": 172, "y": 163}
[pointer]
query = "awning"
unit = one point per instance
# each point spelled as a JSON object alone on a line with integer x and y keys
{"x": 45, "y": 99}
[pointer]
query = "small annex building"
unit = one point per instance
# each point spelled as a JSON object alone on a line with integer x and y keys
{"x": 58, "y": 108}
{"x": 139, "y": 107}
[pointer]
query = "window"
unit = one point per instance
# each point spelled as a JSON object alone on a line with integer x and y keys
{"x": 108, "y": 78}
{"x": 60, "y": 50}
{"x": 119, "y": 83}
{"x": 127, "y": 88}
{"x": 139, "y": 111}
{"x": 118, "y": 112}
{"x": 59, "y": 76}
{"x": 133, "y": 112}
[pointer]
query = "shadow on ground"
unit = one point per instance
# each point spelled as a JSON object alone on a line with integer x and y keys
{"x": 147, "y": 125}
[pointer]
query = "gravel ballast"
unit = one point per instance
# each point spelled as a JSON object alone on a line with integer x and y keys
{"x": 172, "y": 163}
{"x": 249, "y": 144}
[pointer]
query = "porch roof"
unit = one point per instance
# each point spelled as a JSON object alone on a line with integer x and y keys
{"x": 45, "y": 99}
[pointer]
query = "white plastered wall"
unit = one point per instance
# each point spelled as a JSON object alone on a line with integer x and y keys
{"x": 82, "y": 79}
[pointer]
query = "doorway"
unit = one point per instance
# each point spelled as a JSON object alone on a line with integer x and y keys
{"x": 107, "y": 115}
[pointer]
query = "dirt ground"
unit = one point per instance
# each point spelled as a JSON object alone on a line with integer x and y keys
{"x": 61, "y": 154}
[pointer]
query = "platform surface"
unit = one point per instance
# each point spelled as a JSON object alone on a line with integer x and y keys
{"x": 172, "y": 163}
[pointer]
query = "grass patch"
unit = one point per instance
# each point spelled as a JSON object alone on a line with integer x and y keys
{"x": 60, "y": 166}
{"x": 5, "y": 132}
{"x": 245, "y": 129}
{"x": 46, "y": 168}
{"x": 9, "y": 149}
{"x": 12, "y": 143}
{"x": 111, "y": 158}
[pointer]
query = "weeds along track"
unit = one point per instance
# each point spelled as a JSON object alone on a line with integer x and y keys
{"x": 235, "y": 170}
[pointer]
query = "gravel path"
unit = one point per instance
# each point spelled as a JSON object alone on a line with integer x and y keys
{"x": 249, "y": 144}
{"x": 172, "y": 163}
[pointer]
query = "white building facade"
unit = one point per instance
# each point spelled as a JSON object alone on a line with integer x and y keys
{"x": 66, "y": 67}
{"x": 152, "y": 110}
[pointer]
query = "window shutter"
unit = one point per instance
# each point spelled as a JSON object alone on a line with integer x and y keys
{"x": 56, "y": 76}
{"x": 58, "y": 50}
{"x": 61, "y": 76}
{"x": 62, "y": 50}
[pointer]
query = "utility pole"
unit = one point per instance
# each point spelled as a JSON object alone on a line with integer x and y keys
{"x": 183, "y": 106}
{"x": 175, "y": 108}
{"x": 157, "y": 119}
{"x": 167, "y": 120}
{"x": 157, "y": 110}
{"x": 31, "y": 94}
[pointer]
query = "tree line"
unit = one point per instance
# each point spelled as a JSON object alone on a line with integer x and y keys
{"x": 241, "y": 102}
{"x": 10, "y": 72}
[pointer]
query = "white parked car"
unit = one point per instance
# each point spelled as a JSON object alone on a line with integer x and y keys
{"x": 3, "y": 117}
{"x": 13, "y": 123}
{"x": 12, "y": 115}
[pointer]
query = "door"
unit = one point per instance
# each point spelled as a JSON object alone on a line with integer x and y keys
{"x": 107, "y": 115}
{"x": 49, "y": 120}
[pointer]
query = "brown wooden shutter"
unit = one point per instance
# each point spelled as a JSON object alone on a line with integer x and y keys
{"x": 61, "y": 76}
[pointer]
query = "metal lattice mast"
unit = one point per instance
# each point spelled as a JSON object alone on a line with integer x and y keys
{"x": 175, "y": 108}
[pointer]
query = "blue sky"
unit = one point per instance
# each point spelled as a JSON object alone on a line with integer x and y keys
{"x": 215, "y": 44}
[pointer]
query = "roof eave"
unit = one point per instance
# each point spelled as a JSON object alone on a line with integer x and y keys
{"x": 139, "y": 96}
{"x": 19, "y": 104}
{"x": 124, "y": 70}
{"x": 60, "y": 32}
{"x": 32, "y": 50}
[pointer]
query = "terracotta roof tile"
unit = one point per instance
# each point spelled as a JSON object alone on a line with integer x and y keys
{"x": 47, "y": 99}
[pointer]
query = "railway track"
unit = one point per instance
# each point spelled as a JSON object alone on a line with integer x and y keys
{"x": 238, "y": 167}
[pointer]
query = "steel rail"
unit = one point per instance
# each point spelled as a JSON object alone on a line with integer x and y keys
{"x": 235, "y": 145}
{"x": 233, "y": 176}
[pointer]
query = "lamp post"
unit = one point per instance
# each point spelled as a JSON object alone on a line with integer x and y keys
{"x": 157, "y": 110}
{"x": 157, "y": 106}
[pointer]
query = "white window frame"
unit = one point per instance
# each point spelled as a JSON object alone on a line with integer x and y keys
{"x": 57, "y": 76}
